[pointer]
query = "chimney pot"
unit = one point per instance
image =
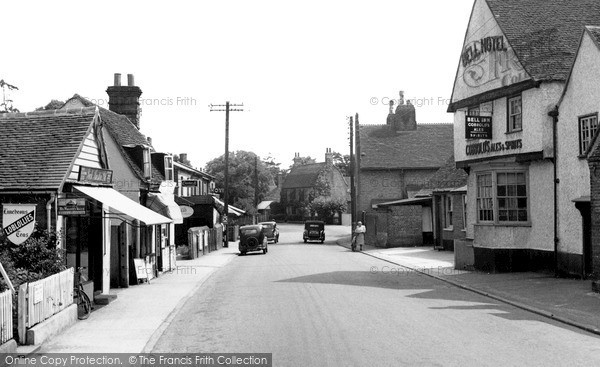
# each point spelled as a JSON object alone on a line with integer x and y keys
{"x": 117, "y": 80}
{"x": 149, "y": 140}
{"x": 130, "y": 81}
{"x": 183, "y": 157}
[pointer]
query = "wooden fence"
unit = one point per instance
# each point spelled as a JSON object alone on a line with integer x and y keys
{"x": 6, "y": 316}
{"x": 44, "y": 298}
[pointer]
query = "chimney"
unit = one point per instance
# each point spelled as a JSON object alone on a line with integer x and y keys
{"x": 125, "y": 100}
{"x": 328, "y": 157}
{"x": 280, "y": 180}
{"x": 405, "y": 117}
{"x": 149, "y": 140}
{"x": 183, "y": 157}
{"x": 297, "y": 159}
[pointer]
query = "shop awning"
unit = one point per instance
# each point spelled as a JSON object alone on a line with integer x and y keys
{"x": 231, "y": 209}
{"x": 122, "y": 204}
{"x": 165, "y": 205}
{"x": 410, "y": 201}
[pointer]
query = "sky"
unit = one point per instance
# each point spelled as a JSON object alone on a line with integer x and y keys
{"x": 299, "y": 68}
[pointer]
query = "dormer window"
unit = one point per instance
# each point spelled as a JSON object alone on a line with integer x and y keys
{"x": 169, "y": 168}
{"x": 147, "y": 164}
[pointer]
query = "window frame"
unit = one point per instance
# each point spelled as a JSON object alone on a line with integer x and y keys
{"x": 169, "y": 169}
{"x": 592, "y": 132}
{"x": 147, "y": 163}
{"x": 509, "y": 127}
{"x": 495, "y": 199}
{"x": 448, "y": 222}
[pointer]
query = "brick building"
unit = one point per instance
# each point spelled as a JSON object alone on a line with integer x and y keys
{"x": 524, "y": 157}
{"x": 306, "y": 182}
{"x": 396, "y": 161}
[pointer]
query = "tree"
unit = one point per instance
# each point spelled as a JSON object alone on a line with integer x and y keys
{"x": 177, "y": 158}
{"x": 342, "y": 162}
{"x": 52, "y": 105}
{"x": 6, "y": 105}
{"x": 326, "y": 208}
{"x": 273, "y": 168}
{"x": 241, "y": 178}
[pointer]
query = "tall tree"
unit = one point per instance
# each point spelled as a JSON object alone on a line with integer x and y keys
{"x": 52, "y": 105}
{"x": 241, "y": 178}
{"x": 342, "y": 162}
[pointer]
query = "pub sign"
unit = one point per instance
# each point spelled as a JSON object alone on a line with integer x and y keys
{"x": 18, "y": 221}
{"x": 478, "y": 127}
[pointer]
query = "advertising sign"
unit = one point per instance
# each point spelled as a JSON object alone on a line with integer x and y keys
{"x": 95, "y": 175}
{"x": 72, "y": 206}
{"x": 478, "y": 127}
{"x": 186, "y": 211}
{"x": 18, "y": 221}
{"x": 189, "y": 183}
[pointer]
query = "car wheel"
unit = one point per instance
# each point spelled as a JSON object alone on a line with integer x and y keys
{"x": 242, "y": 253}
{"x": 305, "y": 241}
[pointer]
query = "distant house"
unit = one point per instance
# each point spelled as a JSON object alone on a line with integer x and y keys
{"x": 306, "y": 182}
{"x": 397, "y": 160}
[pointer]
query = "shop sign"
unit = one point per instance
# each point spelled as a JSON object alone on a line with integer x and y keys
{"x": 72, "y": 206}
{"x": 489, "y": 147}
{"x": 218, "y": 191}
{"x": 186, "y": 211}
{"x": 19, "y": 221}
{"x": 95, "y": 175}
{"x": 478, "y": 127}
{"x": 189, "y": 183}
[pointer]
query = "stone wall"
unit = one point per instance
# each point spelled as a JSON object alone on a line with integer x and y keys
{"x": 594, "y": 163}
{"x": 405, "y": 226}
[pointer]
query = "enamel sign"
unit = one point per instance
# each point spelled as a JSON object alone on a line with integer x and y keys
{"x": 18, "y": 221}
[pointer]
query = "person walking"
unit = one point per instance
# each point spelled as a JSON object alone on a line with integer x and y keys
{"x": 359, "y": 233}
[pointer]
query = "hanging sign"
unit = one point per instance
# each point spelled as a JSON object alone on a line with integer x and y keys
{"x": 18, "y": 221}
{"x": 186, "y": 211}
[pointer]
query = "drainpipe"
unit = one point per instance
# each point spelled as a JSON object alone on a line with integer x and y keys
{"x": 49, "y": 210}
{"x": 554, "y": 115}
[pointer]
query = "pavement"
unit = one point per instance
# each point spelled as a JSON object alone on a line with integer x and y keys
{"x": 570, "y": 301}
{"x": 135, "y": 320}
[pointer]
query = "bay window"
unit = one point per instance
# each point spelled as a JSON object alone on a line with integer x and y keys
{"x": 502, "y": 197}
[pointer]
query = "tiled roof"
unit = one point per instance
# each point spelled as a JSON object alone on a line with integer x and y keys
{"x": 595, "y": 34}
{"x": 38, "y": 148}
{"x": 544, "y": 33}
{"x": 429, "y": 146}
{"x": 448, "y": 177}
{"x": 125, "y": 134}
{"x": 304, "y": 175}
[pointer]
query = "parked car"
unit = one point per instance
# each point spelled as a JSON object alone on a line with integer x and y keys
{"x": 252, "y": 238}
{"x": 314, "y": 230}
{"x": 271, "y": 231}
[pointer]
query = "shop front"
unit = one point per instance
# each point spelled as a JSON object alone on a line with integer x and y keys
{"x": 105, "y": 231}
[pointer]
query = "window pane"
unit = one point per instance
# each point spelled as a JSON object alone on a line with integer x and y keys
{"x": 522, "y": 216}
{"x": 512, "y": 215}
{"x": 502, "y": 215}
{"x": 501, "y": 190}
{"x": 522, "y": 203}
{"x": 502, "y": 203}
{"x": 521, "y": 190}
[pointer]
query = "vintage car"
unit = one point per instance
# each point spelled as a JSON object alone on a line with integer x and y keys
{"x": 252, "y": 238}
{"x": 314, "y": 230}
{"x": 271, "y": 231}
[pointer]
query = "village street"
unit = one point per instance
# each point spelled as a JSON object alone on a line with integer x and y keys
{"x": 317, "y": 305}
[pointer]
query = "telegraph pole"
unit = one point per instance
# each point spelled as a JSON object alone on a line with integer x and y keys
{"x": 357, "y": 168}
{"x": 256, "y": 186}
{"x": 216, "y": 108}
{"x": 352, "y": 173}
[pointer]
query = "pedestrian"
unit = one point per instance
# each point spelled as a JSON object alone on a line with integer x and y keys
{"x": 359, "y": 233}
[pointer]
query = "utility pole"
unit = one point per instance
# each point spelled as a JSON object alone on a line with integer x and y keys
{"x": 352, "y": 173}
{"x": 256, "y": 187}
{"x": 357, "y": 167}
{"x": 215, "y": 108}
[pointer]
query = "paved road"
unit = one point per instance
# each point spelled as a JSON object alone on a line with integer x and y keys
{"x": 322, "y": 305}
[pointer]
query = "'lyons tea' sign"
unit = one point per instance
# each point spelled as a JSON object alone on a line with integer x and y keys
{"x": 18, "y": 221}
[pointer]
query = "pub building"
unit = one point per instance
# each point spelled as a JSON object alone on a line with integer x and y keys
{"x": 57, "y": 160}
{"x": 511, "y": 74}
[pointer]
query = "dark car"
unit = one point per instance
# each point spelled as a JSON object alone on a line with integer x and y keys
{"x": 271, "y": 231}
{"x": 314, "y": 230}
{"x": 252, "y": 238}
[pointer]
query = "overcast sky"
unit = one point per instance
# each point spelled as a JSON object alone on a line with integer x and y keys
{"x": 299, "y": 68}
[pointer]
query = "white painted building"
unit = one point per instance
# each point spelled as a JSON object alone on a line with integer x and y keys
{"x": 511, "y": 75}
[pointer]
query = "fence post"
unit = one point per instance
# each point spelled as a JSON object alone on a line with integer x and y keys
{"x": 22, "y": 313}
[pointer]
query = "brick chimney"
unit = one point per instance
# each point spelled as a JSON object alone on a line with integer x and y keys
{"x": 297, "y": 159}
{"x": 125, "y": 100}
{"x": 183, "y": 157}
{"x": 404, "y": 118}
{"x": 328, "y": 157}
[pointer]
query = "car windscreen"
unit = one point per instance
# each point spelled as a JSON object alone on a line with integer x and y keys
{"x": 314, "y": 226}
{"x": 268, "y": 226}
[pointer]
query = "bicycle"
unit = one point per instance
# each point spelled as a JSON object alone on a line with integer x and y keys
{"x": 84, "y": 305}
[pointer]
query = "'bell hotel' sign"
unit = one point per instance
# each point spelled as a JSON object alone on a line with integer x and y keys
{"x": 478, "y": 127}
